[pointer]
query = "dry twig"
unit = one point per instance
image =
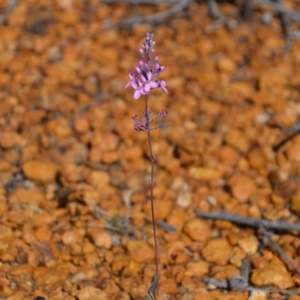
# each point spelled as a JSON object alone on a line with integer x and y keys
{"x": 278, "y": 249}
{"x": 293, "y": 14}
{"x": 241, "y": 283}
{"x": 246, "y": 221}
{"x": 213, "y": 10}
{"x": 9, "y": 9}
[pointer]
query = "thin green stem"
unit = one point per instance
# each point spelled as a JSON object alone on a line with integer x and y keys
{"x": 152, "y": 159}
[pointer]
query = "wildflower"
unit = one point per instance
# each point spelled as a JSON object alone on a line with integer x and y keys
{"x": 146, "y": 77}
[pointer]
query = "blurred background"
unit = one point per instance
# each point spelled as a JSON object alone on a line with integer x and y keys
{"x": 74, "y": 173}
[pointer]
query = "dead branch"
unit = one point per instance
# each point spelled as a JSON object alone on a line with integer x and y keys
{"x": 152, "y": 290}
{"x": 241, "y": 282}
{"x": 222, "y": 20}
{"x": 293, "y": 14}
{"x": 246, "y": 10}
{"x": 157, "y": 18}
{"x": 295, "y": 130}
{"x": 268, "y": 235}
{"x": 213, "y": 10}
{"x": 246, "y": 221}
{"x": 9, "y": 9}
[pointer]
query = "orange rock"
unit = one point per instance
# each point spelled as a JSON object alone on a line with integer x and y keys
{"x": 217, "y": 251}
{"x": 140, "y": 251}
{"x": 98, "y": 179}
{"x": 249, "y": 244}
{"x": 5, "y": 232}
{"x": 51, "y": 279}
{"x": 205, "y": 174}
{"x": 295, "y": 204}
{"x": 243, "y": 89}
{"x": 236, "y": 258}
{"x": 293, "y": 153}
{"x": 228, "y": 155}
{"x": 40, "y": 170}
{"x": 238, "y": 140}
{"x": 88, "y": 248}
{"x": 71, "y": 237}
{"x": 81, "y": 125}
{"x": 227, "y": 65}
{"x": 9, "y": 139}
{"x": 184, "y": 199}
{"x": 119, "y": 107}
{"x": 5, "y": 166}
{"x": 110, "y": 157}
{"x": 20, "y": 270}
{"x": 132, "y": 269}
{"x": 242, "y": 187}
{"x": 26, "y": 196}
{"x": 20, "y": 295}
{"x": 272, "y": 274}
{"x": 91, "y": 292}
{"x": 201, "y": 294}
{"x": 177, "y": 218}
{"x": 257, "y": 159}
{"x": 224, "y": 273}
{"x": 71, "y": 173}
{"x": 101, "y": 238}
{"x": 105, "y": 141}
{"x": 198, "y": 230}
{"x": 258, "y": 295}
{"x": 198, "y": 269}
{"x": 167, "y": 286}
{"x": 43, "y": 234}
{"x": 273, "y": 78}
{"x": 120, "y": 262}
{"x": 7, "y": 257}
{"x": 162, "y": 208}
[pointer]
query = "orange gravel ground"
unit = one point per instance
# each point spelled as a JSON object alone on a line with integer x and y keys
{"x": 74, "y": 201}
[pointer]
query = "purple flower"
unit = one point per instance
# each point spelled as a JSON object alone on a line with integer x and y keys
{"x": 145, "y": 77}
{"x": 145, "y": 124}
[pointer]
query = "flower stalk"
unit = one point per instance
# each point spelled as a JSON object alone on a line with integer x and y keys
{"x": 143, "y": 79}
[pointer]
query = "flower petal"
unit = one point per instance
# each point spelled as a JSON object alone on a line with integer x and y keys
{"x": 147, "y": 87}
{"x": 153, "y": 84}
{"x": 149, "y": 75}
{"x": 137, "y": 94}
{"x": 162, "y": 84}
{"x": 134, "y": 85}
